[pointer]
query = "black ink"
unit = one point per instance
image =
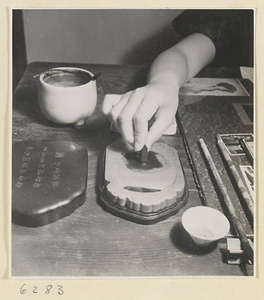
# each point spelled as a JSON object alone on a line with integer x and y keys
{"x": 227, "y": 87}
{"x": 142, "y": 155}
{"x": 139, "y": 189}
{"x": 132, "y": 162}
{"x": 221, "y": 86}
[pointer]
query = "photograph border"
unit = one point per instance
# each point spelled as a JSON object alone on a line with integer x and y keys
{"x": 151, "y": 288}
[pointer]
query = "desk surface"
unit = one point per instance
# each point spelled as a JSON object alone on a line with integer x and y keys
{"x": 92, "y": 242}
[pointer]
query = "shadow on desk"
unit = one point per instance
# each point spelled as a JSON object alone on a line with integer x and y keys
{"x": 182, "y": 241}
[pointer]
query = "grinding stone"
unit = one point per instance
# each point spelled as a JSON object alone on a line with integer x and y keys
{"x": 144, "y": 193}
{"x": 48, "y": 181}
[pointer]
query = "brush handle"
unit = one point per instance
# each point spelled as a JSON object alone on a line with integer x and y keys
{"x": 237, "y": 178}
{"x": 231, "y": 209}
{"x": 248, "y": 151}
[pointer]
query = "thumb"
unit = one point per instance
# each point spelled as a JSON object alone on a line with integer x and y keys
{"x": 161, "y": 124}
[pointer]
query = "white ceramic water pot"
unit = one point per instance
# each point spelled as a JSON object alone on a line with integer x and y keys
{"x": 67, "y": 95}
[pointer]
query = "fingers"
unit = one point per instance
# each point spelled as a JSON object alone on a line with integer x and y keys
{"x": 141, "y": 117}
{"x": 110, "y": 100}
{"x": 130, "y": 113}
{"x": 140, "y": 131}
{"x": 160, "y": 106}
{"x": 161, "y": 124}
{"x": 122, "y": 112}
{"x": 116, "y": 110}
{"x": 112, "y": 108}
{"x": 126, "y": 119}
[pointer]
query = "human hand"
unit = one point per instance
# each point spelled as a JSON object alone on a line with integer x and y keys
{"x": 131, "y": 112}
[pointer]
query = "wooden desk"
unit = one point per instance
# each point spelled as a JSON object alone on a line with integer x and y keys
{"x": 92, "y": 242}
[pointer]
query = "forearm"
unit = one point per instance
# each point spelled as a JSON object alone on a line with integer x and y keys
{"x": 183, "y": 61}
{"x": 131, "y": 112}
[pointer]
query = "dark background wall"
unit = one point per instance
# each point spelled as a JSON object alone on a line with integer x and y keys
{"x": 107, "y": 36}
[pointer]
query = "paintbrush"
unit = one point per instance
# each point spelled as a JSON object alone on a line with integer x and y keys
{"x": 248, "y": 151}
{"x": 231, "y": 209}
{"x": 244, "y": 194}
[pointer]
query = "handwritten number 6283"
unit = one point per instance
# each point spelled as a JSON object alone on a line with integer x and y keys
{"x": 48, "y": 289}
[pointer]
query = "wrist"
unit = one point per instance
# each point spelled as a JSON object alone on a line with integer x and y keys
{"x": 169, "y": 85}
